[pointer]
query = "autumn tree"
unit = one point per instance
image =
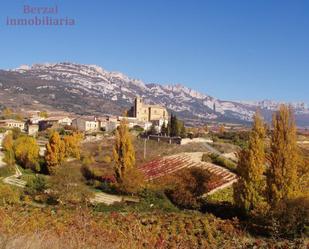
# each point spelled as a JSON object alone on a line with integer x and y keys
{"x": 55, "y": 152}
{"x": 249, "y": 190}
{"x": 7, "y": 145}
{"x": 284, "y": 158}
{"x": 26, "y": 151}
{"x": 123, "y": 151}
{"x": 7, "y": 113}
{"x": 43, "y": 114}
{"x": 72, "y": 145}
{"x": 221, "y": 129}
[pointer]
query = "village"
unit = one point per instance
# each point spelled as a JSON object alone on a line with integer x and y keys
{"x": 140, "y": 116}
{"x": 144, "y": 162}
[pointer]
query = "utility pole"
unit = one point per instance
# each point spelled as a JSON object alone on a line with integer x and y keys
{"x": 145, "y": 142}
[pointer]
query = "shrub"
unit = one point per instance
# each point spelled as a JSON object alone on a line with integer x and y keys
{"x": 87, "y": 159}
{"x": 187, "y": 186}
{"x": 67, "y": 187}
{"x": 107, "y": 159}
{"x": 8, "y": 195}
{"x": 290, "y": 218}
{"x": 219, "y": 160}
{"x": 7, "y": 171}
{"x": 36, "y": 185}
{"x": 132, "y": 182}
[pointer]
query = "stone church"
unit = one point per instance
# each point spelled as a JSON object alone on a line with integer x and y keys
{"x": 144, "y": 112}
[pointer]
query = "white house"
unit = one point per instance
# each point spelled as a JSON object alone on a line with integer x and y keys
{"x": 86, "y": 124}
{"x": 11, "y": 123}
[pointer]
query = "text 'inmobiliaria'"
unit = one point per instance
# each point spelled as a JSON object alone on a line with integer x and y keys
{"x": 40, "y": 16}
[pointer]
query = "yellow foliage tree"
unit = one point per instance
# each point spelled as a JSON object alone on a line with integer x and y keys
{"x": 43, "y": 114}
{"x": 26, "y": 152}
{"x": 282, "y": 176}
{"x": 72, "y": 145}
{"x": 221, "y": 129}
{"x": 55, "y": 152}
{"x": 7, "y": 113}
{"x": 7, "y": 145}
{"x": 249, "y": 190}
{"x": 123, "y": 152}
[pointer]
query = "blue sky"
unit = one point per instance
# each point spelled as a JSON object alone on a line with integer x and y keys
{"x": 231, "y": 49}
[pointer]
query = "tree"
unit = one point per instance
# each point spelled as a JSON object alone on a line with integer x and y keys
{"x": 7, "y": 113}
{"x": 221, "y": 129}
{"x": 249, "y": 190}
{"x": 174, "y": 126}
{"x": 55, "y": 152}
{"x": 284, "y": 158}
{"x": 72, "y": 145}
{"x": 26, "y": 152}
{"x": 123, "y": 152}
{"x": 7, "y": 145}
{"x": 153, "y": 130}
{"x": 164, "y": 129}
{"x": 183, "y": 131}
{"x": 43, "y": 114}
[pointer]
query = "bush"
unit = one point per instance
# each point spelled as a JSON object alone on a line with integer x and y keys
{"x": 219, "y": 160}
{"x": 289, "y": 219}
{"x": 187, "y": 186}
{"x": 132, "y": 182}
{"x": 8, "y": 195}
{"x": 107, "y": 159}
{"x": 36, "y": 185}
{"x": 7, "y": 171}
{"x": 67, "y": 187}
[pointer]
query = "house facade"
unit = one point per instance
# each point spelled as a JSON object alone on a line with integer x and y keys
{"x": 11, "y": 123}
{"x": 86, "y": 124}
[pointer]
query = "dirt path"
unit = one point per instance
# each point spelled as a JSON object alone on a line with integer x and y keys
{"x": 15, "y": 179}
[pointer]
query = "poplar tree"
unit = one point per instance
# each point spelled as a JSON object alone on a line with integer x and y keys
{"x": 55, "y": 152}
{"x": 123, "y": 151}
{"x": 7, "y": 145}
{"x": 282, "y": 180}
{"x": 248, "y": 191}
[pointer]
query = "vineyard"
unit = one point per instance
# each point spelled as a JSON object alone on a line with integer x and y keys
{"x": 167, "y": 165}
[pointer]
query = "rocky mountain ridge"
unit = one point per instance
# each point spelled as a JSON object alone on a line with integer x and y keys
{"x": 91, "y": 89}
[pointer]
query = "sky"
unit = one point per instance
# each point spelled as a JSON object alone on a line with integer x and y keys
{"x": 230, "y": 49}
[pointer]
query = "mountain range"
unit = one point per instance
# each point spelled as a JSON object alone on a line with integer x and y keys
{"x": 89, "y": 89}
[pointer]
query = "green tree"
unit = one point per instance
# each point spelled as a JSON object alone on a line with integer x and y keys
{"x": 164, "y": 129}
{"x": 284, "y": 158}
{"x": 174, "y": 126}
{"x": 123, "y": 151}
{"x": 183, "y": 131}
{"x": 55, "y": 152}
{"x": 250, "y": 187}
{"x": 26, "y": 151}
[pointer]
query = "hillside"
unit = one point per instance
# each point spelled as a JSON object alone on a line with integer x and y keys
{"x": 89, "y": 89}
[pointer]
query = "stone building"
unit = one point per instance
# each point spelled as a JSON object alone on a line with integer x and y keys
{"x": 144, "y": 112}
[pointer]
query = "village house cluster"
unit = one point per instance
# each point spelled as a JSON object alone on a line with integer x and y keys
{"x": 140, "y": 115}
